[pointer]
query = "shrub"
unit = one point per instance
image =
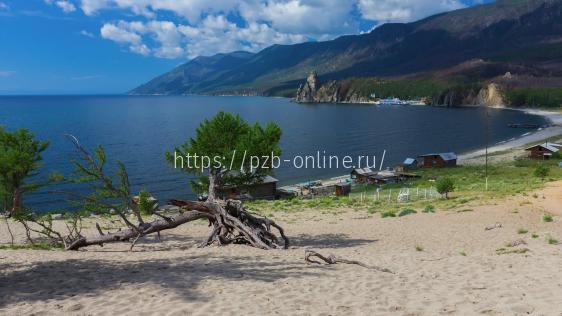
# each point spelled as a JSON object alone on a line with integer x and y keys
{"x": 522, "y": 231}
{"x": 388, "y": 214}
{"x": 547, "y": 218}
{"x": 541, "y": 171}
{"x": 429, "y": 209}
{"x": 444, "y": 186}
{"x": 406, "y": 211}
{"x": 551, "y": 241}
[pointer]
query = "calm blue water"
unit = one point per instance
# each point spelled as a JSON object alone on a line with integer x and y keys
{"x": 139, "y": 130}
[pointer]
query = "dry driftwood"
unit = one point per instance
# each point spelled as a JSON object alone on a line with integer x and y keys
{"x": 496, "y": 225}
{"x": 231, "y": 224}
{"x": 332, "y": 259}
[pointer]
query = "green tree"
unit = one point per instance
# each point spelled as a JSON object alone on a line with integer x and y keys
{"x": 444, "y": 186}
{"x": 541, "y": 171}
{"x": 20, "y": 157}
{"x": 227, "y": 150}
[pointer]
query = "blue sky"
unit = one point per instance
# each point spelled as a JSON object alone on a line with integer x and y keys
{"x": 111, "y": 46}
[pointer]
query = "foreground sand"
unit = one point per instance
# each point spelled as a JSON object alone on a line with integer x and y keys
{"x": 176, "y": 278}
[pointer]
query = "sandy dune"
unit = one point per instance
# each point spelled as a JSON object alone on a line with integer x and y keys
{"x": 176, "y": 278}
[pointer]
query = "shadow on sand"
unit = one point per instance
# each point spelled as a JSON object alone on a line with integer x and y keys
{"x": 63, "y": 279}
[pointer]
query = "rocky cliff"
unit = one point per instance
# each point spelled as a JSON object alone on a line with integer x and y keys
{"x": 488, "y": 95}
{"x": 330, "y": 92}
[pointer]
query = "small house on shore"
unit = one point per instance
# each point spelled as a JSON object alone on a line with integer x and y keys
{"x": 408, "y": 164}
{"x": 543, "y": 151}
{"x": 343, "y": 189}
{"x": 368, "y": 176}
{"x": 362, "y": 175}
{"x": 262, "y": 189}
{"x": 437, "y": 160}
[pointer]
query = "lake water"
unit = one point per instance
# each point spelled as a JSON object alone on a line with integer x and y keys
{"x": 139, "y": 130}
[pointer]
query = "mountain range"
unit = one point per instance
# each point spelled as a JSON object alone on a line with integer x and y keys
{"x": 519, "y": 40}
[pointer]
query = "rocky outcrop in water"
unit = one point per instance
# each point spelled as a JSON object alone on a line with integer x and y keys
{"x": 330, "y": 92}
{"x": 310, "y": 92}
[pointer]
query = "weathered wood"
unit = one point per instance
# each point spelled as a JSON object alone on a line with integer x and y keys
{"x": 231, "y": 224}
{"x": 130, "y": 233}
{"x": 332, "y": 259}
{"x": 234, "y": 224}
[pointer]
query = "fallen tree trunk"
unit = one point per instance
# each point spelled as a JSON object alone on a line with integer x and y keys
{"x": 231, "y": 224}
{"x": 130, "y": 233}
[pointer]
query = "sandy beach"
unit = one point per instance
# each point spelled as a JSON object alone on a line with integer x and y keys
{"x": 445, "y": 264}
{"x": 554, "y": 130}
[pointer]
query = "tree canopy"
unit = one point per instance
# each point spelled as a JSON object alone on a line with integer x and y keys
{"x": 20, "y": 157}
{"x": 227, "y": 150}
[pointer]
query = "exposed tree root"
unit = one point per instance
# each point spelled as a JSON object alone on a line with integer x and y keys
{"x": 234, "y": 224}
{"x": 231, "y": 224}
{"x": 332, "y": 259}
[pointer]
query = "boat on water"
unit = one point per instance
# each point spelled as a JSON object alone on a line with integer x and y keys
{"x": 390, "y": 101}
{"x": 397, "y": 101}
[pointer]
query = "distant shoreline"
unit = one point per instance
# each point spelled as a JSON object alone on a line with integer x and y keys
{"x": 554, "y": 119}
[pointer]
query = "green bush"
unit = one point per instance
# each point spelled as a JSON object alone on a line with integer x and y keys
{"x": 541, "y": 171}
{"x": 429, "y": 209}
{"x": 444, "y": 186}
{"x": 547, "y": 218}
{"x": 406, "y": 211}
{"x": 388, "y": 214}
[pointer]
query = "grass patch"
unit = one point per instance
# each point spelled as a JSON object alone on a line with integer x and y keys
{"x": 535, "y": 236}
{"x": 504, "y": 180}
{"x": 547, "y": 218}
{"x": 551, "y": 241}
{"x": 504, "y": 251}
{"x": 419, "y": 248}
{"x": 406, "y": 211}
{"x": 462, "y": 253}
{"x": 465, "y": 210}
{"x": 388, "y": 214}
{"x": 522, "y": 231}
{"x": 429, "y": 209}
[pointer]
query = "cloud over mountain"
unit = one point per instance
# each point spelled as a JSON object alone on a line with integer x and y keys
{"x": 190, "y": 28}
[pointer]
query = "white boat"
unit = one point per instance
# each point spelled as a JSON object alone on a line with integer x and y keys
{"x": 390, "y": 101}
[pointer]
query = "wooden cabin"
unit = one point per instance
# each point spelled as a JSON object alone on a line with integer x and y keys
{"x": 408, "y": 164}
{"x": 263, "y": 189}
{"x": 343, "y": 189}
{"x": 543, "y": 151}
{"x": 362, "y": 175}
{"x": 386, "y": 176}
{"x": 437, "y": 160}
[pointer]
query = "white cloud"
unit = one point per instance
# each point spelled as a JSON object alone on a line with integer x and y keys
{"x": 7, "y": 73}
{"x": 65, "y": 5}
{"x": 206, "y": 27}
{"x": 311, "y": 17}
{"x": 384, "y": 11}
{"x": 87, "y": 34}
{"x": 214, "y": 34}
{"x": 4, "y": 6}
{"x": 120, "y": 33}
